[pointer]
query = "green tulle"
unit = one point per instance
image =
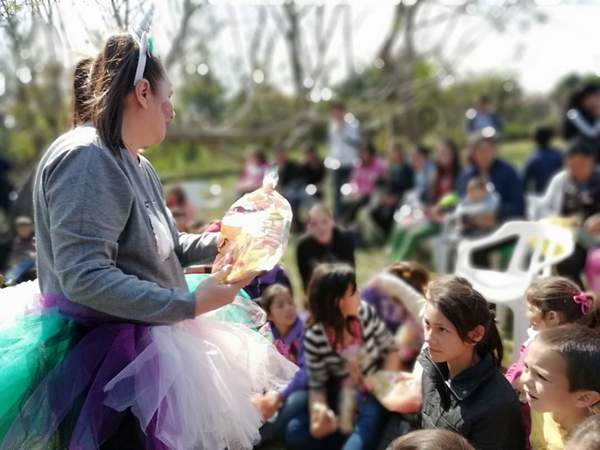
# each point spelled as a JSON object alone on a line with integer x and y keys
{"x": 243, "y": 310}
{"x": 29, "y": 349}
{"x": 35, "y": 343}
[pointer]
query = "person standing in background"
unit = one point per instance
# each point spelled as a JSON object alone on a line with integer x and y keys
{"x": 483, "y": 116}
{"x": 344, "y": 141}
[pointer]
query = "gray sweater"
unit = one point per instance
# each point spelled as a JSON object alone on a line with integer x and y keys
{"x": 106, "y": 239}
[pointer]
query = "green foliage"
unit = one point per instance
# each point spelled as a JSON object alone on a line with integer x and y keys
{"x": 201, "y": 98}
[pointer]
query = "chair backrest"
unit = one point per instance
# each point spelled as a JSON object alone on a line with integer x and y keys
{"x": 539, "y": 246}
{"x": 535, "y": 206}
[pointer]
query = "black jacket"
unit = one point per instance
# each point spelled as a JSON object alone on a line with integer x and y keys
{"x": 311, "y": 253}
{"x": 478, "y": 404}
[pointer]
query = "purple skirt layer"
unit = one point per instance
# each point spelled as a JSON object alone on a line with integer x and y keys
{"x": 70, "y": 399}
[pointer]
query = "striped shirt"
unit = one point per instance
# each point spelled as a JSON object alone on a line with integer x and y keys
{"x": 325, "y": 364}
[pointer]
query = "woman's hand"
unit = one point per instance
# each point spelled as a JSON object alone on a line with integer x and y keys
{"x": 212, "y": 293}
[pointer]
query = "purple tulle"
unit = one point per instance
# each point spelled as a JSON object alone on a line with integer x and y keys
{"x": 105, "y": 348}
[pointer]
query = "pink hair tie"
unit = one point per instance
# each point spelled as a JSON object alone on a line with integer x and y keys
{"x": 585, "y": 301}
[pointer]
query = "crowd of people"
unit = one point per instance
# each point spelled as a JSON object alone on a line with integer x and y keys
{"x": 412, "y": 359}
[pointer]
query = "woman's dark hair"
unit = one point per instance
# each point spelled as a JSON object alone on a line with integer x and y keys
{"x": 432, "y": 439}
{"x": 270, "y": 294}
{"x": 466, "y": 309}
{"x": 579, "y": 346}
{"x": 82, "y": 92}
{"x": 328, "y": 285}
{"x": 412, "y": 273}
{"x": 585, "y": 436}
{"x": 112, "y": 78}
{"x": 580, "y": 145}
{"x": 555, "y": 294}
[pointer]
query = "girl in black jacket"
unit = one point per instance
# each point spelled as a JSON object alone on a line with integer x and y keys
{"x": 463, "y": 388}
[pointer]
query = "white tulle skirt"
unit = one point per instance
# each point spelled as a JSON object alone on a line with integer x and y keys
{"x": 191, "y": 386}
{"x": 198, "y": 377}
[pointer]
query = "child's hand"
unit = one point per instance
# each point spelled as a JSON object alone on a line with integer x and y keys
{"x": 270, "y": 404}
{"x": 404, "y": 396}
{"x": 355, "y": 369}
{"x": 323, "y": 421}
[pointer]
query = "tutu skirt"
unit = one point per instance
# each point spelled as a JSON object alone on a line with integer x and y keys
{"x": 71, "y": 376}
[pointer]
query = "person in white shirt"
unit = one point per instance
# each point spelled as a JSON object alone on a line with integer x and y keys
{"x": 344, "y": 141}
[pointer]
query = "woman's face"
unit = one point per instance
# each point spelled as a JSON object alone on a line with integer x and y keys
{"x": 483, "y": 156}
{"x": 160, "y": 111}
{"x": 443, "y": 156}
{"x": 441, "y": 336}
{"x": 545, "y": 381}
{"x": 320, "y": 226}
{"x": 283, "y": 311}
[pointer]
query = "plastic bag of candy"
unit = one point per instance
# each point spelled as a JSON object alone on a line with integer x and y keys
{"x": 254, "y": 231}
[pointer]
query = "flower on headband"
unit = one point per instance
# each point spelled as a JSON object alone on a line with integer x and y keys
{"x": 584, "y": 301}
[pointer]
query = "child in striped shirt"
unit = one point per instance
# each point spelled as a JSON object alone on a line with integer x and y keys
{"x": 344, "y": 342}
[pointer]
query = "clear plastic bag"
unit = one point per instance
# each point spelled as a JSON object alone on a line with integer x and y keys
{"x": 254, "y": 231}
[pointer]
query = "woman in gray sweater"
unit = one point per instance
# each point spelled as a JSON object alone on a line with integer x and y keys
{"x": 109, "y": 261}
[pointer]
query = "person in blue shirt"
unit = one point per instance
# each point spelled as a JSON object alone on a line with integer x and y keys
{"x": 506, "y": 182}
{"x": 543, "y": 163}
{"x": 482, "y": 116}
{"x": 504, "y": 177}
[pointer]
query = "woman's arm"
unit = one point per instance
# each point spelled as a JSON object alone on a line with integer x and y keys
{"x": 196, "y": 248}
{"x": 89, "y": 204}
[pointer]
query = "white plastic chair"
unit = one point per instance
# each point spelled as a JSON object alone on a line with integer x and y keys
{"x": 539, "y": 246}
{"x": 536, "y": 207}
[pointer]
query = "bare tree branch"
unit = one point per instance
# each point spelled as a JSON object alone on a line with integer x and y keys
{"x": 293, "y": 41}
{"x": 116, "y": 13}
{"x": 385, "y": 51}
{"x": 348, "y": 43}
{"x": 177, "y": 47}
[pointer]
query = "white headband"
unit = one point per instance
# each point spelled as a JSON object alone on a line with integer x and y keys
{"x": 142, "y": 56}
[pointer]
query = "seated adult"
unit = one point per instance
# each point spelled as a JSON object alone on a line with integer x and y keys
{"x": 575, "y": 192}
{"x": 312, "y": 169}
{"x": 505, "y": 181}
{"x": 503, "y": 176}
{"x": 364, "y": 175}
{"x": 21, "y": 261}
{"x": 391, "y": 186}
{"x": 290, "y": 183}
{"x": 323, "y": 242}
{"x": 412, "y": 233}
